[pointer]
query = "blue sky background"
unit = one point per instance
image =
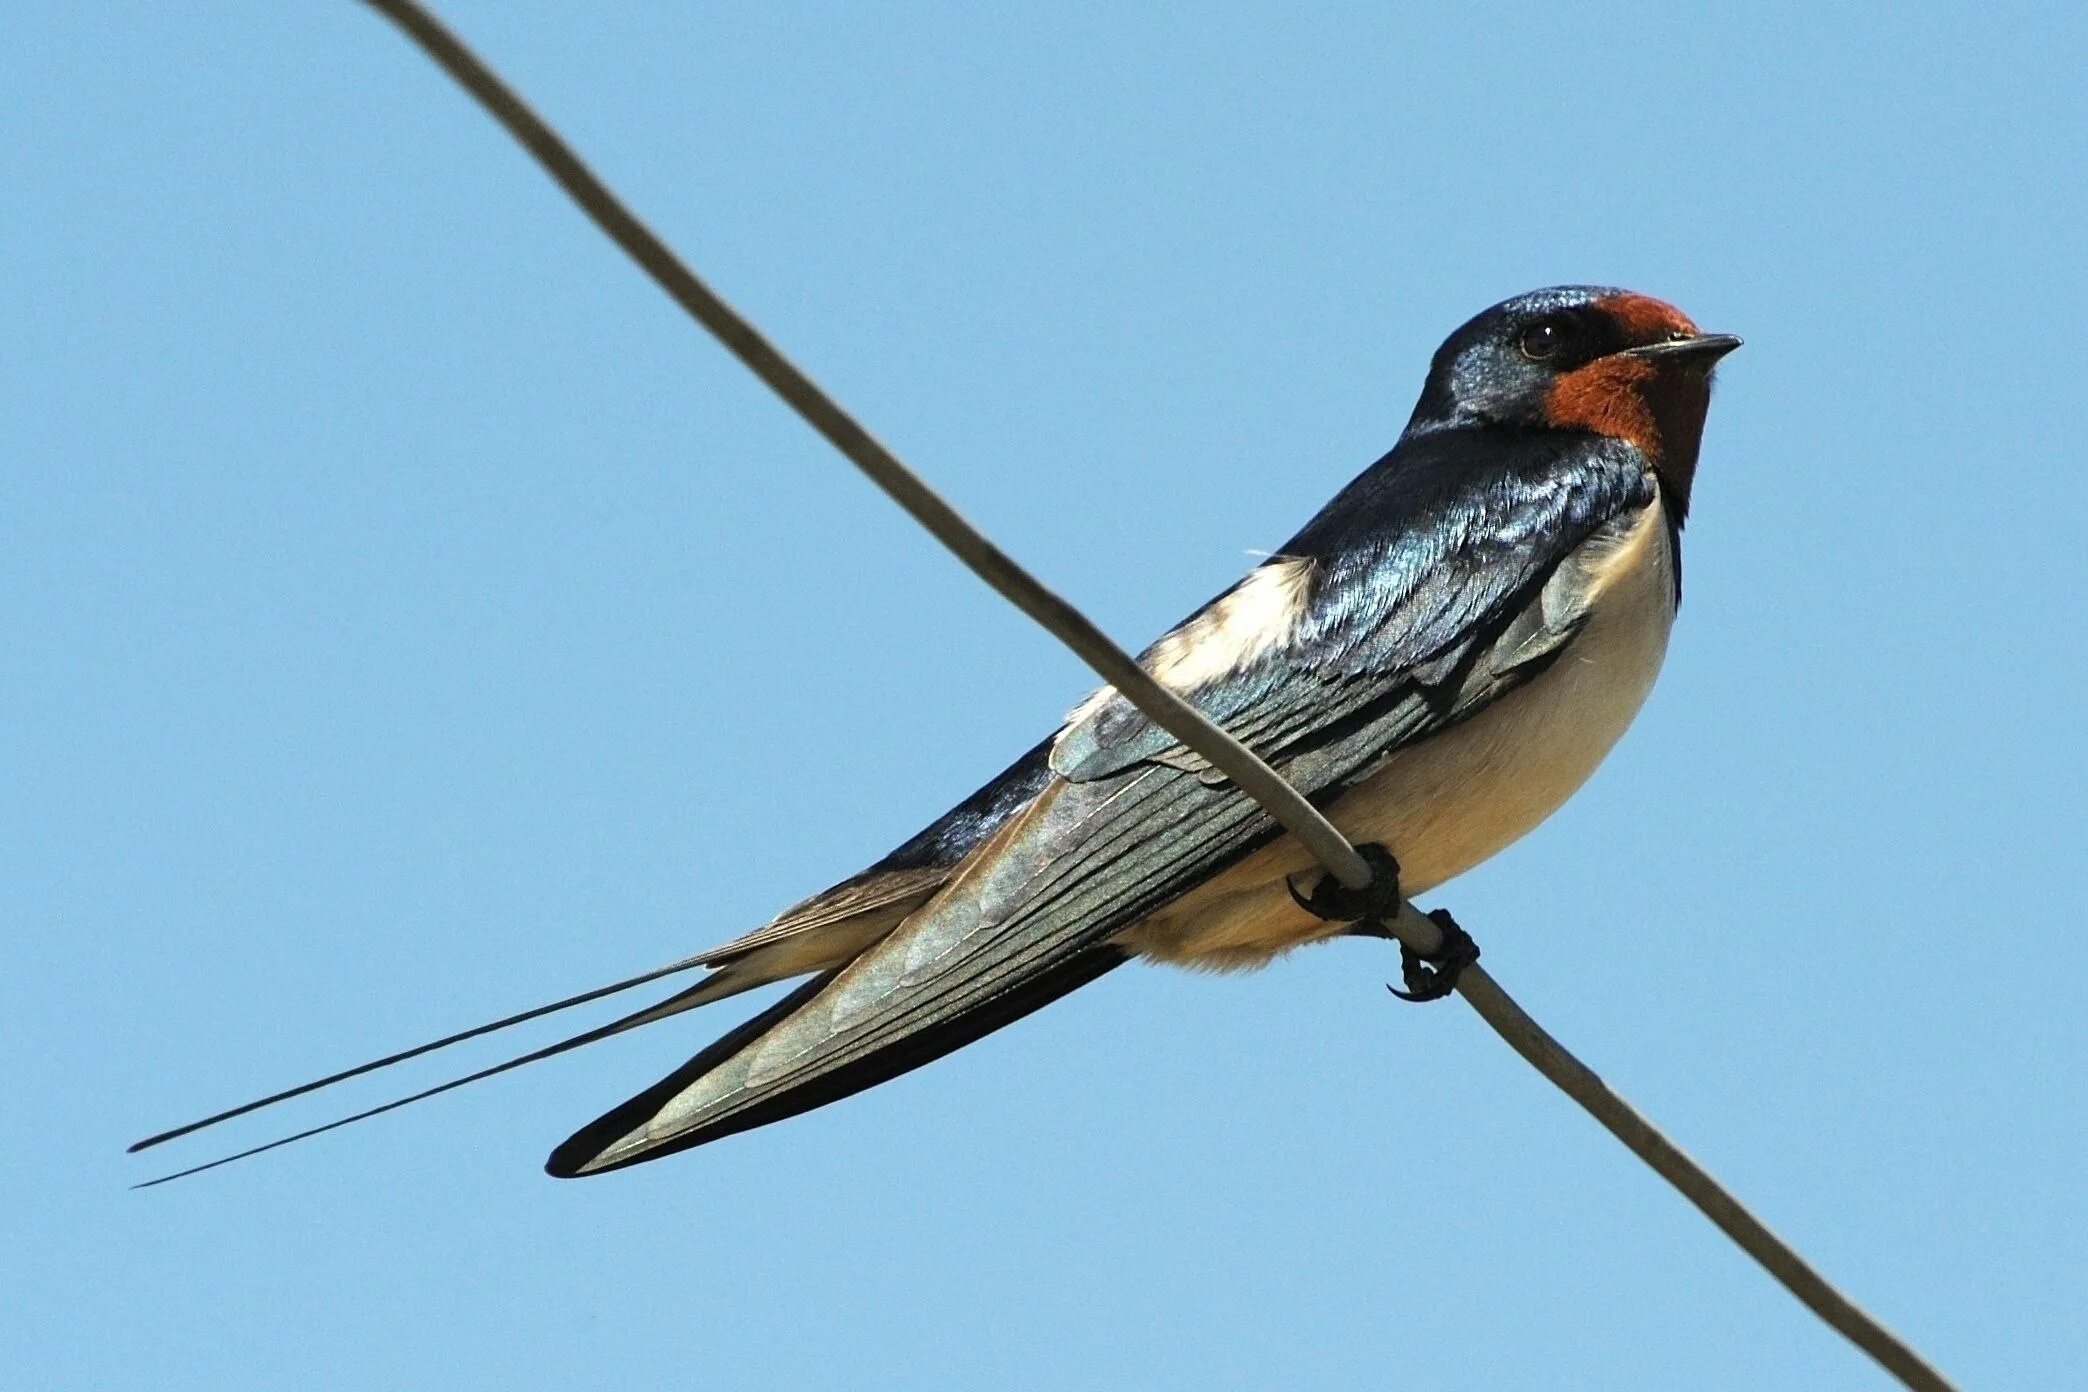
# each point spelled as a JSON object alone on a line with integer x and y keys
{"x": 410, "y": 617}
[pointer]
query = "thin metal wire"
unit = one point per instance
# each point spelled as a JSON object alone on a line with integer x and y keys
{"x": 867, "y": 453}
{"x": 1162, "y": 706}
{"x": 1668, "y": 1160}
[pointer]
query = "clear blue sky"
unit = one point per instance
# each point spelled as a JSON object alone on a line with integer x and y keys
{"x": 410, "y": 617}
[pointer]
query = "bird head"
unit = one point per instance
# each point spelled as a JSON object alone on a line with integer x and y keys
{"x": 1588, "y": 359}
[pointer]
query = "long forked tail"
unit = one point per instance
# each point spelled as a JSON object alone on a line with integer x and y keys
{"x": 700, "y": 994}
{"x": 819, "y": 932}
{"x": 537, "y": 1012}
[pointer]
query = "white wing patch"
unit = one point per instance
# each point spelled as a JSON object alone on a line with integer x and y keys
{"x": 1231, "y": 631}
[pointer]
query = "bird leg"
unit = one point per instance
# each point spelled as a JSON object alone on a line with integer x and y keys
{"x": 1369, "y": 910}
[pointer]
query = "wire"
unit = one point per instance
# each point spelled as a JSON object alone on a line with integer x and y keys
{"x": 1160, "y": 705}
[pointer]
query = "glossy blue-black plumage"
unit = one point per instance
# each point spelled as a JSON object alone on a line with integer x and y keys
{"x": 1477, "y": 378}
{"x": 1415, "y": 563}
{"x": 1446, "y": 534}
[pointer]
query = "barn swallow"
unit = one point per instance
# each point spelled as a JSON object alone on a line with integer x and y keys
{"x": 1438, "y": 659}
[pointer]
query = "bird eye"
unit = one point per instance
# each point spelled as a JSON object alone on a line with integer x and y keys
{"x": 1545, "y": 340}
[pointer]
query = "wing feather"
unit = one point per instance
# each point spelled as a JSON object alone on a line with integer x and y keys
{"x": 1412, "y": 624}
{"x": 1412, "y": 571}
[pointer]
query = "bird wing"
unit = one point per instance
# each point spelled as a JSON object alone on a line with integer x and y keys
{"x": 1413, "y": 572}
{"x": 1441, "y": 607}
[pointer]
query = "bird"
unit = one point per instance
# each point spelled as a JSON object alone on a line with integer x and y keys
{"x": 1438, "y": 659}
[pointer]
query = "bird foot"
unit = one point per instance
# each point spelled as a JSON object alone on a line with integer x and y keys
{"x": 1435, "y": 976}
{"x": 1368, "y": 908}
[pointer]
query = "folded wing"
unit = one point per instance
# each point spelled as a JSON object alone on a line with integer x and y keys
{"x": 1133, "y": 820}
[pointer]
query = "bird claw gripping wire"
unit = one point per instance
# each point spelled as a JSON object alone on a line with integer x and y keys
{"x": 1435, "y": 976}
{"x": 1369, "y": 909}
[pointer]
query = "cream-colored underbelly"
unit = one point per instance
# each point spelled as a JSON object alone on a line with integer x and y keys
{"x": 1453, "y": 800}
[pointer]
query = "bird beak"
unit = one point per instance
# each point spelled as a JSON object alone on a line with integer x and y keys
{"x": 1700, "y": 351}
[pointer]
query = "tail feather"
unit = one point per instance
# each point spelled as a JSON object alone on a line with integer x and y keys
{"x": 834, "y": 928}
{"x": 505, "y": 1022}
{"x": 673, "y": 1005}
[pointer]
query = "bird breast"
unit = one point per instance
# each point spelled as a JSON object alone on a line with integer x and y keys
{"x": 1452, "y": 800}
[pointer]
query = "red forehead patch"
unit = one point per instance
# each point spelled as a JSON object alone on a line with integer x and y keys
{"x": 1645, "y": 319}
